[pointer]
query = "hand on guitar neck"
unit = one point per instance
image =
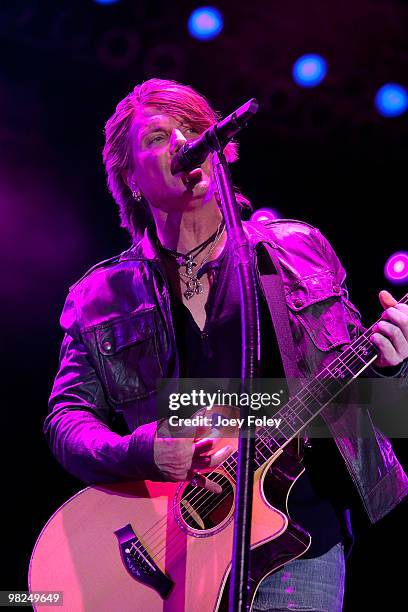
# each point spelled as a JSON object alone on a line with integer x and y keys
{"x": 179, "y": 458}
{"x": 391, "y": 333}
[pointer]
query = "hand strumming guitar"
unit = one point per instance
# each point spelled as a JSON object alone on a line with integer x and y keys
{"x": 179, "y": 458}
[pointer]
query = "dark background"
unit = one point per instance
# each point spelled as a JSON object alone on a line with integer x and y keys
{"x": 322, "y": 155}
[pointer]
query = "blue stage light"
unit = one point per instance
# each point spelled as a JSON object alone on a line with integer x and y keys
{"x": 106, "y": 1}
{"x": 391, "y": 100}
{"x": 309, "y": 70}
{"x": 205, "y": 23}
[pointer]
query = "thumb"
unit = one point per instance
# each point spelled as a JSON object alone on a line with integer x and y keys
{"x": 386, "y": 299}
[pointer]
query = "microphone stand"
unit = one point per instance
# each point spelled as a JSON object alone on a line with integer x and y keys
{"x": 238, "y": 594}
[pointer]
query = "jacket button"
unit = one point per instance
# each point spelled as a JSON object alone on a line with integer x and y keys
{"x": 107, "y": 346}
{"x": 298, "y": 302}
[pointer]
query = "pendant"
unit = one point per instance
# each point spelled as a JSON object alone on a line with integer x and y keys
{"x": 193, "y": 287}
{"x": 187, "y": 261}
{"x": 188, "y": 294}
{"x": 189, "y": 265}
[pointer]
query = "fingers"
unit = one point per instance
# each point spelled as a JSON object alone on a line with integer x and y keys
{"x": 386, "y": 299}
{"x": 391, "y": 336}
{"x": 387, "y": 354}
{"x": 199, "y": 480}
{"x": 203, "y": 446}
{"x": 221, "y": 455}
{"x": 201, "y": 462}
{"x": 398, "y": 315}
{"x": 391, "y": 333}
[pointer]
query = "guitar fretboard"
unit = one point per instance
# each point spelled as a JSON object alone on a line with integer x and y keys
{"x": 316, "y": 394}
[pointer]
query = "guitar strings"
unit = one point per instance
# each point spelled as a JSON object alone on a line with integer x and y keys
{"x": 206, "y": 496}
{"x": 353, "y": 358}
{"x": 342, "y": 360}
{"x": 209, "y": 504}
{"x": 286, "y": 408}
{"x": 360, "y": 341}
{"x": 232, "y": 461}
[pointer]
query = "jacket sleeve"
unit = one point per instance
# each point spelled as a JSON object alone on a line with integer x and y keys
{"x": 77, "y": 426}
{"x": 362, "y": 422}
{"x": 354, "y": 323}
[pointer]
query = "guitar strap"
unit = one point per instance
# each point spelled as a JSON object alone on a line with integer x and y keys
{"x": 270, "y": 277}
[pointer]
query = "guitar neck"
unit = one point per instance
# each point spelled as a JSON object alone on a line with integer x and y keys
{"x": 303, "y": 407}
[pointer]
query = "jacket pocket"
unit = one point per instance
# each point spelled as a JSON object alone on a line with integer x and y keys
{"x": 128, "y": 356}
{"x": 317, "y": 304}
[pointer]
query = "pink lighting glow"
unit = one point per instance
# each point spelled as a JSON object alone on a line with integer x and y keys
{"x": 265, "y": 214}
{"x": 396, "y": 268}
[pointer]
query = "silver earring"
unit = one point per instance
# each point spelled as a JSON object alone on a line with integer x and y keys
{"x": 137, "y": 196}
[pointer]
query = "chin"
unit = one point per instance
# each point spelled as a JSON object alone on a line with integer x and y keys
{"x": 188, "y": 199}
{"x": 200, "y": 190}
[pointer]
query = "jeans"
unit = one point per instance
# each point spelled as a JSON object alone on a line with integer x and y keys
{"x": 312, "y": 585}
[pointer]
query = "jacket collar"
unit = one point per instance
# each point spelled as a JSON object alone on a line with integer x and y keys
{"x": 146, "y": 249}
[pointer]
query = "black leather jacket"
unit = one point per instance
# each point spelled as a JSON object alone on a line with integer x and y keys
{"x": 119, "y": 339}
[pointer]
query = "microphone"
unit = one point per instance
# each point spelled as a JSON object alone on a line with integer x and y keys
{"x": 194, "y": 152}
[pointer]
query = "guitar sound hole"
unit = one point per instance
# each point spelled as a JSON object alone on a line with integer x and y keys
{"x": 202, "y": 509}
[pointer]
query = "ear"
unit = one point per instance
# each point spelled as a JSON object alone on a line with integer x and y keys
{"x": 128, "y": 180}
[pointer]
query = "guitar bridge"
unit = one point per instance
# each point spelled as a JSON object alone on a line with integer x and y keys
{"x": 140, "y": 564}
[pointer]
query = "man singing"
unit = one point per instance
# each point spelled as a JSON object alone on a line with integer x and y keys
{"x": 169, "y": 307}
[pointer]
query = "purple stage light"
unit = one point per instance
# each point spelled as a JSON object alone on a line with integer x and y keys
{"x": 265, "y": 214}
{"x": 396, "y": 268}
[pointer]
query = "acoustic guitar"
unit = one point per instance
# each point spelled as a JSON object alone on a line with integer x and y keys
{"x": 150, "y": 546}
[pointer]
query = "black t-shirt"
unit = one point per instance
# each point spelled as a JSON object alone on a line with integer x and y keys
{"x": 215, "y": 352}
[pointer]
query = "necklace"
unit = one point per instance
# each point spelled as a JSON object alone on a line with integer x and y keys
{"x": 193, "y": 285}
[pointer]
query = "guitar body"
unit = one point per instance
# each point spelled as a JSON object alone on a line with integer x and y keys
{"x": 163, "y": 546}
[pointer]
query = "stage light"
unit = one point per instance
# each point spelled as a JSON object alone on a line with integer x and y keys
{"x": 309, "y": 70}
{"x": 265, "y": 214}
{"x": 106, "y": 1}
{"x": 205, "y": 23}
{"x": 391, "y": 100}
{"x": 396, "y": 268}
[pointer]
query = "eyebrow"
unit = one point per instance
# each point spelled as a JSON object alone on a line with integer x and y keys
{"x": 150, "y": 129}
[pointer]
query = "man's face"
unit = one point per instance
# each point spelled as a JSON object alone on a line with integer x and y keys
{"x": 155, "y": 139}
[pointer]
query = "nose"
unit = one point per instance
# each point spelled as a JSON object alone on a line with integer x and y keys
{"x": 176, "y": 141}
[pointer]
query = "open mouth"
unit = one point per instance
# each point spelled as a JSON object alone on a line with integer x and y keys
{"x": 190, "y": 179}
